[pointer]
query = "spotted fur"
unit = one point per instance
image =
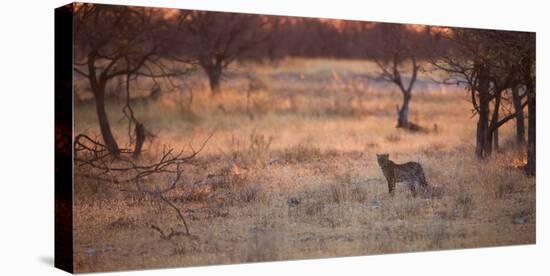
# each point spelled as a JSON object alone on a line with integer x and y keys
{"x": 410, "y": 173}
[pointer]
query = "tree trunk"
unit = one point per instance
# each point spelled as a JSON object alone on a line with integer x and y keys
{"x": 520, "y": 120}
{"x": 140, "y": 139}
{"x": 494, "y": 121}
{"x": 214, "y": 75}
{"x": 482, "y": 138}
{"x": 104, "y": 126}
{"x": 531, "y": 132}
{"x": 483, "y": 141}
{"x": 403, "y": 113}
{"x": 495, "y": 140}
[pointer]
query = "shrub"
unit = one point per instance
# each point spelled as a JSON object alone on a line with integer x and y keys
{"x": 464, "y": 204}
{"x": 338, "y": 193}
{"x": 258, "y": 151}
{"x": 249, "y": 193}
{"x": 301, "y": 153}
{"x": 393, "y": 138}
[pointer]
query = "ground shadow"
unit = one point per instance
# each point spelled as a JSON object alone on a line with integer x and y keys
{"x": 47, "y": 260}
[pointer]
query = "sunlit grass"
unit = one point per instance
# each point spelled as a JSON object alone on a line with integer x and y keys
{"x": 310, "y": 186}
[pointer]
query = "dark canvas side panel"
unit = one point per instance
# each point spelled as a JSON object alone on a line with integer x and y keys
{"x": 63, "y": 138}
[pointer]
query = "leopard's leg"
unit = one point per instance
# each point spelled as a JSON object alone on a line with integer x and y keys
{"x": 413, "y": 189}
{"x": 391, "y": 186}
{"x": 423, "y": 181}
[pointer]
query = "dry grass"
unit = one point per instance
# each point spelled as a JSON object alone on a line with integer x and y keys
{"x": 300, "y": 179}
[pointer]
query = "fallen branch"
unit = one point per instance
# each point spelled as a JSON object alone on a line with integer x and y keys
{"x": 166, "y": 236}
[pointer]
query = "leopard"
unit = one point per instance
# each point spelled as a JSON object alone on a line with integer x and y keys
{"x": 410, "y": 173}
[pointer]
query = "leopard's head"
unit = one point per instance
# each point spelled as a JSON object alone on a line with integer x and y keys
{"x": 382, "y": 158}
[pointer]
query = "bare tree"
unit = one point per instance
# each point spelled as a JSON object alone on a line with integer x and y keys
{"x": 94, "y": 160}
{"x": 218, "y": 39}
{"x": 527, "y": 49}
{"x": 118, "y": 41}
{"x": 395, "y": 51}
{"x": 520, "y": 118}
{"x": 487, "y": 63}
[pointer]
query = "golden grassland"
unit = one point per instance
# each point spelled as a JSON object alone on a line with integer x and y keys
{"x": 295, "y": 176}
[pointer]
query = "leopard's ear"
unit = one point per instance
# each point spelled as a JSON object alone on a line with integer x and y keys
{"x": 382, "y": 156}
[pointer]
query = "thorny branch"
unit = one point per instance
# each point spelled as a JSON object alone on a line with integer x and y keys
{"x": 93, "y": 160}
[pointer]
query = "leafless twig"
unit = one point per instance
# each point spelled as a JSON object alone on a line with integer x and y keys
{"x": 94, "y": 160}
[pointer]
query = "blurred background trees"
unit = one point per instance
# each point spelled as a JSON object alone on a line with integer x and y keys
{"x": 497, "y": 68}
{"x": 217, "y": 39}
